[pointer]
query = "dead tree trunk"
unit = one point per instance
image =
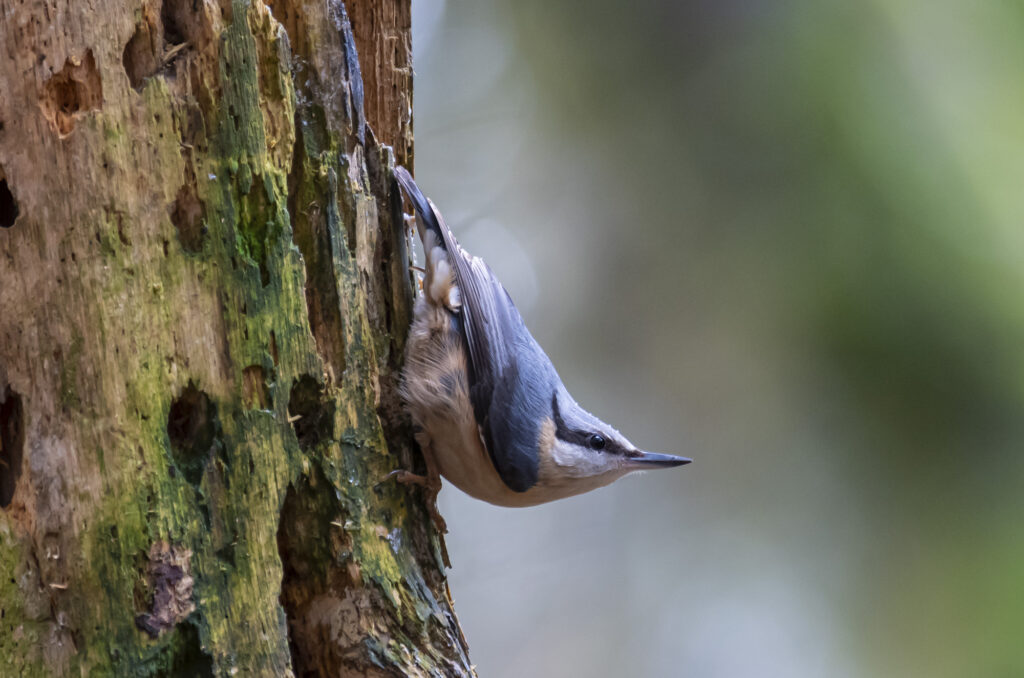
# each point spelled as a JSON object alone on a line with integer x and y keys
{"x": 204, "y": 295}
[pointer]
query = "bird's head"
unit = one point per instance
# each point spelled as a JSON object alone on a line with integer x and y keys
{"x": 580, "y": 452}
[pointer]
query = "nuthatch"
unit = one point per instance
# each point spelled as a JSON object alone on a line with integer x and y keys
{"x": 488, "y": 408}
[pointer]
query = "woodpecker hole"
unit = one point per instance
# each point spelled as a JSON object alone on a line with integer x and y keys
{"x": 226, "y": 553}
{"x": 311, "y": 412}
{"x": 189, "y": 658}
{"x": 311, "y": 543}
{"x": 255, "y": 391}
{"x": 12, "y": 443}
{"x": 167, "y": 30}
{"x": 172, "y": 18}
{"x": 142, "y": 55}
{"x": 187, "y": 217}
{"x": 185, "y": 21}
{"x": 8, "y": 205}
{"x": 192, "y": 429}
{"x": 67, "y": 95}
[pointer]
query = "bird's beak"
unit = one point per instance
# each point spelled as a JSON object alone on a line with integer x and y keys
{"x": 655, "y": 460}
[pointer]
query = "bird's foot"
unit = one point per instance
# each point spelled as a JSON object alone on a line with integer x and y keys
{"x": 431, "y": 485}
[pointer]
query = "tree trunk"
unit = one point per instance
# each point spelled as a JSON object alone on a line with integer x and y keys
{"x": 204, "y": 296}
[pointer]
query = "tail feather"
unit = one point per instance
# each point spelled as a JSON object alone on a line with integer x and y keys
{"x": 440, "y": 285}
{"x": 426, "y": 218}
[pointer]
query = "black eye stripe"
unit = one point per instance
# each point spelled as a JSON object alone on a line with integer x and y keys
{"x": 582, "y": 438}
{"x": 612, "y": 447}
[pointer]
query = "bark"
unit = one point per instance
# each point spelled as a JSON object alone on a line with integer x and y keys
{"x": 204, "y": 296}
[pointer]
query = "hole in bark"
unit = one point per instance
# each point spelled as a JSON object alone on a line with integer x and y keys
{"x": 226, "y": 553}
{"x": 192, "y": 428}
{"x": 142, "y": 55}
{"x": 311, "y": 412}
{"x": 75, "y": 89}
{"x": 187, "y": 217}
{"x": 12, "y": 444}
{"x": 187, "y": 657}
{"x": 8, "y": 205}
{"x": 183, "y": 22}
{"x": 264, "y": 267}
{"x": 313, "y": 547}
{"x": 255, "y": 391}
{"x": 187, "y": 22}
{"x": 174, "y": 28}
{"x": 168, "y": 30}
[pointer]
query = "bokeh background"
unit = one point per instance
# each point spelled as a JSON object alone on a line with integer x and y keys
{"x": 785, "y": 239}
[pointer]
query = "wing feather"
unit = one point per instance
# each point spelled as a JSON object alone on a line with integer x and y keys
{"x": 491, "y": 326}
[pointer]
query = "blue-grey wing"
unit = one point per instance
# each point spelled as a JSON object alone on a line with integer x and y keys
{"x": 520, "y": 404}
{"x": 510, "y": 376}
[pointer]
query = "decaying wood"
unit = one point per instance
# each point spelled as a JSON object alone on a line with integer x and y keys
{"x": 204, "y": 296}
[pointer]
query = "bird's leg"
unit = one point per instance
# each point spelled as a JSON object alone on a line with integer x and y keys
{"x": 431, "y": 482}
{"x": 431, "y": 487}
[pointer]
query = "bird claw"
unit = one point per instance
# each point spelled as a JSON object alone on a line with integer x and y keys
{"x": 431, "y": 486}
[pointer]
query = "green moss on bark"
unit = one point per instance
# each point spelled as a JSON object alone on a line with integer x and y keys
{"x": 285, "y": 278}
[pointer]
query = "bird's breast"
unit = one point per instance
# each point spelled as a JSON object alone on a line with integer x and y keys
{"x": 435, "y": 388}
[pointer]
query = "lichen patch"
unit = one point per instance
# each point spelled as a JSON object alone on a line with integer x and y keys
{"x": 169, "y": 578}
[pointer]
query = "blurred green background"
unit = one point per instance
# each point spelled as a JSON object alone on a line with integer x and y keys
{"x": 785, "y": 239}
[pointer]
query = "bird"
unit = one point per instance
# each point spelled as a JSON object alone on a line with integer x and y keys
{"x": 488, "y": 409}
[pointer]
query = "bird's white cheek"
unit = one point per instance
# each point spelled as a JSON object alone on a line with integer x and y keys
{"x": 576, "y": 461}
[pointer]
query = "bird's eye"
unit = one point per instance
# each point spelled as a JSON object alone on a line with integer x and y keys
{"x": 596, "y": 442}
